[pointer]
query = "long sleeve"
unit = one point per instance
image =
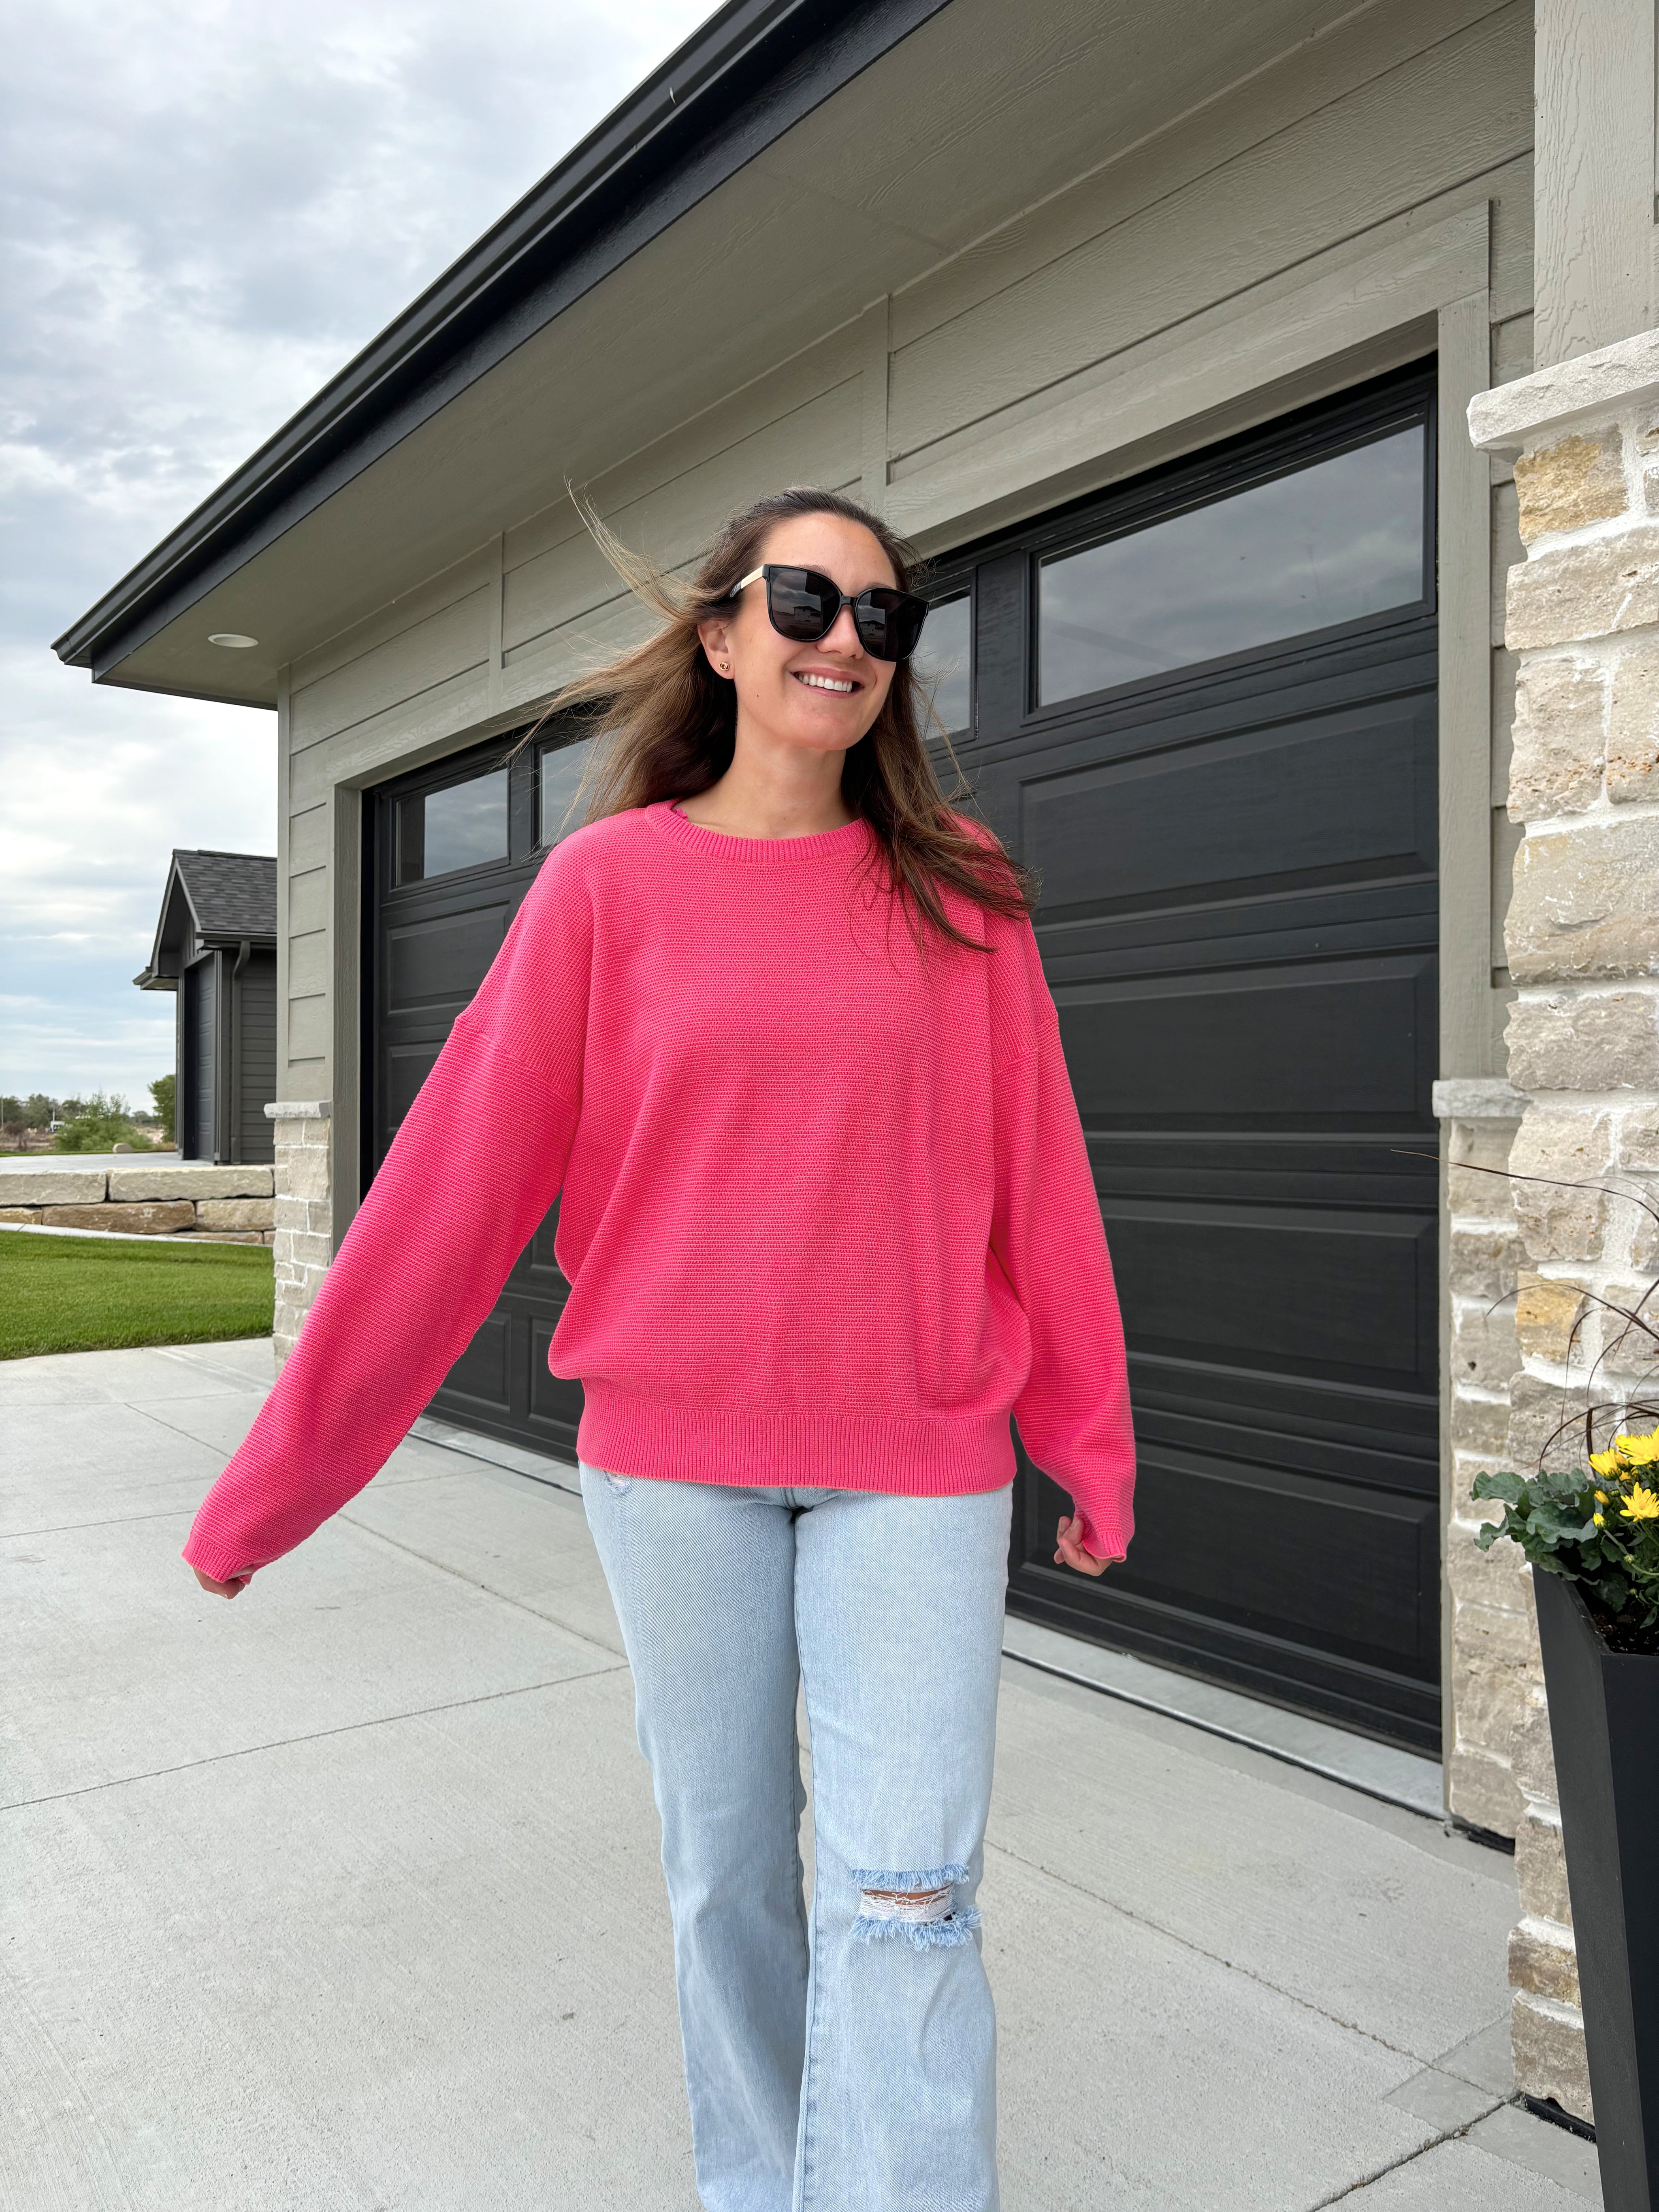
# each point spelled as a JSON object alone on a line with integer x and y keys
{"x": 479, "y": 1159}
{"x": 1074, "y": 1413}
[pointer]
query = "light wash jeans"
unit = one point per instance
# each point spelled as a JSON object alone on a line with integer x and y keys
{"x": 849, "y": 2065}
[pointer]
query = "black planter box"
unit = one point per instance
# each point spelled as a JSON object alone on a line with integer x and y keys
{"x": 1604, "y": 1725}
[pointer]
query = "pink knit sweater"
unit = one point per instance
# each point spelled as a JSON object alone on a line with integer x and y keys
{"x": 826, "y": 1211}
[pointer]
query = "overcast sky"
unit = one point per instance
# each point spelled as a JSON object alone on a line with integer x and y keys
{"x": 207, "y": 209}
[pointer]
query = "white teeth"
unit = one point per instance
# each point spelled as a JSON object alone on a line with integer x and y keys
{"x": 827, "y": 683}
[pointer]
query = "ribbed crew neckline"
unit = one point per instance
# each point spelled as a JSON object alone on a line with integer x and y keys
{"x": 721, "y": 844}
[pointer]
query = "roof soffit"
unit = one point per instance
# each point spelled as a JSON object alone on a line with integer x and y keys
{"x": 897, "y": 171}
{"x": 743, "y": 78}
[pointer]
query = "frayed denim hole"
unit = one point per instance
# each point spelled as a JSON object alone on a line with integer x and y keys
{"x": 920, "y": 1936}
{"x": 912, "y": 1905}
{"x": 617, "y": 1484}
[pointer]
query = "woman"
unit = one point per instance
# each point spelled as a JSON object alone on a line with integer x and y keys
{"x": 774, "y": 1024}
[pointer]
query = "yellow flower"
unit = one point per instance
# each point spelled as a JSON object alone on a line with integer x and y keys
{"x": 1642, "y": 1505}
{"x": 1599, "y": 1519}
{"x": 1638, "y": 1451}
{"x": 1601, "y": 1497}
{"x": 1606, "y": 1462}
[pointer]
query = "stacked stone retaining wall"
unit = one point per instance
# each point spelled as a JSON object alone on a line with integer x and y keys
{"x": 222, "y": 1204}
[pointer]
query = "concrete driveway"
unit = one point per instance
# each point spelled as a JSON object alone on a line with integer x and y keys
{"x": 346, "y": 1895}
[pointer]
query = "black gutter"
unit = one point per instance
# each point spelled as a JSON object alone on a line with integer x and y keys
{"x": 750, "y": 73}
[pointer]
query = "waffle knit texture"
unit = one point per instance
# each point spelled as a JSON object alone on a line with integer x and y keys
{"x": 824, "y": 1205}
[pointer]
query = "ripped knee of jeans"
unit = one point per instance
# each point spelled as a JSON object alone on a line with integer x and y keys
{"x": 914, "y": 1905}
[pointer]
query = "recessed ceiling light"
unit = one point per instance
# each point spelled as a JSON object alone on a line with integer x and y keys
{"x": 231, "y": 637}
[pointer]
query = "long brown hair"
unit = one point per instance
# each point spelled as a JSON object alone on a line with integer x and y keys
{"x": 667, "y": 723}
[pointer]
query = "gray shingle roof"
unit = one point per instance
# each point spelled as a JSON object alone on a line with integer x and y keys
{"x": 231, "y": 894}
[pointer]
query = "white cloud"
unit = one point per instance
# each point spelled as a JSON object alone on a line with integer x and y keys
{"x": 207, "y": 208}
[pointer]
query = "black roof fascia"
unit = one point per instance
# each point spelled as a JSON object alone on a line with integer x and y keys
{"x": 749, "y": 75}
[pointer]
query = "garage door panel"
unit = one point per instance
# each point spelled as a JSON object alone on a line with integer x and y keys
{"x": 1270, "y": 930}
{"x": 1266, "y": 1549}
{"x": 1400, "y": 1703}
{"x": 1345, "y": 1297}
{"x": 406, "y": 1066}
{"x": 1331, "y": 798}
{"x": 1315, "y": 1045}
{"x": 1299, "y": 1422}
{"x": 1268, "y": 1167}
{"x": 439, "y": 961}
{"x": 481, "y": 1379}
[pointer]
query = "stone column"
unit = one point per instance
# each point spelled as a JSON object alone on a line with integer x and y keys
{"x": 1492, "y": 1637}
{"x": 304, "y": 1230}
{"x": 1583, "y": 940}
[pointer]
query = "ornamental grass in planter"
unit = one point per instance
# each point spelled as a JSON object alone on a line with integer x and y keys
{"x": 1592, "y": 1535}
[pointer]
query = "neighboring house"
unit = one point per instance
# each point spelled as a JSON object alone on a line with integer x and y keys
{"x": 216, "y": 947}
{"x": 1158, "y": 325}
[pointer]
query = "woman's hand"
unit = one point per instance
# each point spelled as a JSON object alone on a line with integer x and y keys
{"x": 221, "y": 1589}
{"x": 1070, "y": 1553}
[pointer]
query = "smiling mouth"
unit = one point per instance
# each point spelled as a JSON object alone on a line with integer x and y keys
{"x": 841, "y": 686}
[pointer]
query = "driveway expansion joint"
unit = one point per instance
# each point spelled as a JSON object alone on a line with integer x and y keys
{"x": 312, "y": 1735}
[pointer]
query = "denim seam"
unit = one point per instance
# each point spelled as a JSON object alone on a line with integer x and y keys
{"x": 815, "y": 1978}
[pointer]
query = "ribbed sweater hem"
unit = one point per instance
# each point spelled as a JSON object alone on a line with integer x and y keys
{"x": 907, "y": 1455}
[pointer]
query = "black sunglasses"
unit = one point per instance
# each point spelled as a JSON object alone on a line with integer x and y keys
{"x": 804, "y": 605}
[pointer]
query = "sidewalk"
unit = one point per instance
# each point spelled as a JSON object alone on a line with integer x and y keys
{"x": 346, "y": 1896}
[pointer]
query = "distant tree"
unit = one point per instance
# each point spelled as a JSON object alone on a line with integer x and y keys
{"x": 39, "y": 1110}
{"x": 70, "y": 1109}
{"x": 11, "y": 1110}
{"x": 101, "y": 1123}
{"x": 161, "y": 1091}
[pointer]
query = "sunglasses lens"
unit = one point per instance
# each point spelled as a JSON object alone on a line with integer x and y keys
{"x": 889, "y": 623}
{"x": 800, "y": 604}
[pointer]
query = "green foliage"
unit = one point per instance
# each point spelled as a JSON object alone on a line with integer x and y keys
{"x": 90, "y": 1293}
{"x": 39, "y": 1110}
{"x": 102, "y": 1122}
{"x": 161, "y": 1091}
{"x": 1597, "y": 1526}
{"x": 11, "y": 1110}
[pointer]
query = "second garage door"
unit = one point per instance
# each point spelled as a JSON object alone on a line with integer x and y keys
{"x": 1204, "y": 708}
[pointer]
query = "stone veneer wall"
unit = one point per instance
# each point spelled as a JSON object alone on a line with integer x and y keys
{"x": 1583, "y": 940}
{"x": 305, "y": 1210}
{"x": 1493, "y": 1650}
{"x": 226, "y": 1205}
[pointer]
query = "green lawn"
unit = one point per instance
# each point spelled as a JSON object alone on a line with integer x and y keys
{"x": 73, "y": 1294}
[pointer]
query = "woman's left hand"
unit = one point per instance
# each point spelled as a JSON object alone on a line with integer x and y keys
{"x": 1070, "y": 1553}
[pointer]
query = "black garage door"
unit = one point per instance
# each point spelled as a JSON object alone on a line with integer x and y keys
{"x": 1203, "y": 706}
{"x": 450, "y": 853}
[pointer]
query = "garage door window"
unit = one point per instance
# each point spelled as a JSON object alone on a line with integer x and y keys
{"x": 560, "y": 809}
{"x": 1326, "y": 544}
{"x": 943, "y": 661}
{"x": 464, "y": 825}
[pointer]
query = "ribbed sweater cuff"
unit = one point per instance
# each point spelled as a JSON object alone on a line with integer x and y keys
{"x": 213, "y": 1559}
